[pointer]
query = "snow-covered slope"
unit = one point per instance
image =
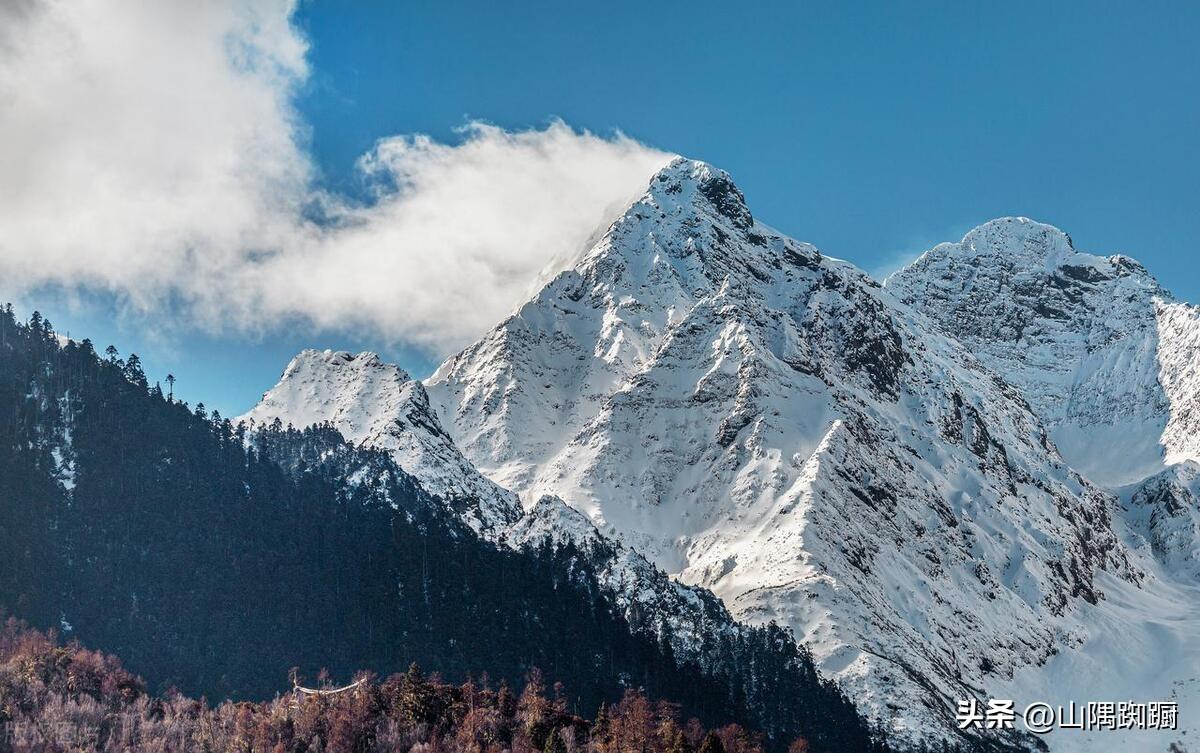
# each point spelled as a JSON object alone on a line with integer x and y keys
{"x": 1111, "y": 363}
{"x": 379, "y": 405}
{"x": 1097, "y": 346}
{"x": 1102, "y": 352}
{"x": 769, "y": 423}
{"x": 646, "y": 595}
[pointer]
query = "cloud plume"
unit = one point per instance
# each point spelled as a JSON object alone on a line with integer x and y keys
{"x": 151, "y": 151}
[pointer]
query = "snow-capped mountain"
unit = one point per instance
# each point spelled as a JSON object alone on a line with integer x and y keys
{"x": 1102, "y": 352}
{"x": 769, "y": 423}
{"x": 845, "y": 458}
{"x": 1106, "y": 357}
{"x": 1111, "y": 364}
{"x": 378, "y": 405}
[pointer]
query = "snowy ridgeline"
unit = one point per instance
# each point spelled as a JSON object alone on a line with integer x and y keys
{"x": 977, "y": 480}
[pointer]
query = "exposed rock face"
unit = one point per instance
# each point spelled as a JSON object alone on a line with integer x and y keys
{"x": 1163, "y": 511}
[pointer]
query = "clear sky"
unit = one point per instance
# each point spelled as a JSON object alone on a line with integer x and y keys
{"x": 866, "y": 128}
{"x": 873, "y": 130}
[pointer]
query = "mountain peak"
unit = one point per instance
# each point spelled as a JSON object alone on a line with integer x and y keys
{"x": 376, "y": 404}
{"x": 311, "y": 359}
{"x": 1020, "y": 247}
{"x": 1082, "y": 336}
{"x": 738, "y": 409}
{"x": 687, "y": 181}
{"x": 685, "y": 237}
{"x": 1020, "y": 238}
{"x": 313, "y": 387}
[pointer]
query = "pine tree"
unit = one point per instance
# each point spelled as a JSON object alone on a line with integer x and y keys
{"x": 416, "y": 697}
{"x": 133, "y": 370}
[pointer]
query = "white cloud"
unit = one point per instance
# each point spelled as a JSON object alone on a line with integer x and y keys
{"x": 150, "y": 150}
{"x": 466, "y": 231}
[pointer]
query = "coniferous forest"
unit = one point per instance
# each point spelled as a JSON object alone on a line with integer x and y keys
{"x": 154, "y": 531}
{"x": 69, "y": 696}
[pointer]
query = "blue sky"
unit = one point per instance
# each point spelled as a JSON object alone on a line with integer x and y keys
{"x": 865, "y": 128}
{"x": 870, "y": 129}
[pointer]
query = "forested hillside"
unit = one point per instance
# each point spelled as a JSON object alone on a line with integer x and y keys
{"x": 55, "y": 697}
{"x": 153, "y": 530}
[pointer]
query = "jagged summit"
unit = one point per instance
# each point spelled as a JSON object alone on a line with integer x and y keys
{"x": 301, "y": 395}
{"x": 1021, "y": 238}
{"x": 312, "y": 358}
{"x": 685, "y": 181}
{"x": 1023, "y": 246}
{"x": 692, "y": 226}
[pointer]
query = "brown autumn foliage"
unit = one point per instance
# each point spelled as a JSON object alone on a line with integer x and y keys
{"x": 58, "y": 698}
